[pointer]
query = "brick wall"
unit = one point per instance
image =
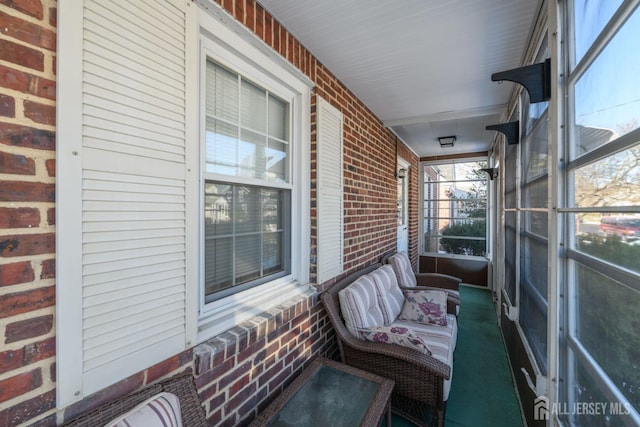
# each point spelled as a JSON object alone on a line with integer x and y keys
{"x": 238, "y": 372}
{"x": 27, "y": 216}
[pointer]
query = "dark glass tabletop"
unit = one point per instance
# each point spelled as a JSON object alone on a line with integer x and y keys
{"x": 330, "y": 397}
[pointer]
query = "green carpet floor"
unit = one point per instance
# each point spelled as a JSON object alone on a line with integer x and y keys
{"x": 482, "y": 391}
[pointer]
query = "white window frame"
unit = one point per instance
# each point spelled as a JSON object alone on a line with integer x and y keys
{"x": 423, "y": 250}
{"x": 228, "y": 43}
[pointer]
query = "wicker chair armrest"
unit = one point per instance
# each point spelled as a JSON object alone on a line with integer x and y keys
{"x": 438, "y": 280}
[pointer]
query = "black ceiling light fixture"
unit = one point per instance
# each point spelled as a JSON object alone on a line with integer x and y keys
{"x": 447, "y": 141}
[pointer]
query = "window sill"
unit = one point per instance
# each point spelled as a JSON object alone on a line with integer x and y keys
{"x": 224, "y": 314}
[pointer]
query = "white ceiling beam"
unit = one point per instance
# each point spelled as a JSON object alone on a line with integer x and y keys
{"x": 447, "y": 115}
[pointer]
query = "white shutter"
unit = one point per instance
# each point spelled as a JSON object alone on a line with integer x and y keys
{"x": 122, "y": 213}
{"x": 329, "y": 195}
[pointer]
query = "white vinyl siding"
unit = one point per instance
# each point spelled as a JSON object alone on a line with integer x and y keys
{"x": 122, "y": 211}
{"x": 329, "y": 191}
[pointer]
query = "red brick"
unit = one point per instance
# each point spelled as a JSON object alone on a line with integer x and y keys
{"x": 7, "y": 106}
{"x": 43, "y": 88}
{"x": 51, "y": 216}
{"x": 15, "y": 273}
{"x": 51, "y": 167}
{"x": 30, "y": 7}
{"x": 21, "y": 55}
{"x": 163, "y": 368}
{"x": 48, "y": 269}
{"x": 20, "y": 191}
{"x": 27, "y": 137}
{"x": 20, "y": 384}
{"x": 10, "y": 360}
{"x": 41, "y": 350}
{"x": 29, "y": 328}
{"x": 53, "y": 16}
{"x": 26, "y": 410}
{"x": 40, "y": 113}
{"x": 26, "y": 301}
{"x": 19, "y": 217}
{"x": 16, "y": 164}
{"x": 14, "y": 79}
{"x": 27, "y": 32}
{"x": 27, "y": 244}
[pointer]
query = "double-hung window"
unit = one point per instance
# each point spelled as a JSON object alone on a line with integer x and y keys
{"x": 254, "y": 159}
{"x": 247, "y": 189}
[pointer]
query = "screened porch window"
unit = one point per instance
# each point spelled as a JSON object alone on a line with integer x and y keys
{"x": 247, "y": 187}
{"x": 455, "y": 208}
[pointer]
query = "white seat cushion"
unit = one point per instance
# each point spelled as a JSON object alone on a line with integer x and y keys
{"x": 389, "y": 294}
{"x": 161, "y": 410}
{"x": 441, "y": 340}
{"x": 404, "y": 272}
{"x": 360, "y": 306}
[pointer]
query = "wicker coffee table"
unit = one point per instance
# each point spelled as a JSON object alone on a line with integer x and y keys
{"x": 329, "y": 393}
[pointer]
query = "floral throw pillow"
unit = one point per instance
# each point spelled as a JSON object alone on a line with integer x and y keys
{"x": 396, "y": 335}
{"x": 426, "y": 307}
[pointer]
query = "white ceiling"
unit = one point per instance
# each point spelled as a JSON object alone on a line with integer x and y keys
{"x": 422, "y": 66}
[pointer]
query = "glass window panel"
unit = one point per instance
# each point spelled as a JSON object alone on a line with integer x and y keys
{"x": 277, "y": 161}
{"x": 278, "y": 118}
{"x": 247, "y": 209}
{"x": 533, "y": 320}
{"x": 218, "y": 264}
{"x": 589, "y": 19}
{"x": 254, "y": 107}
{"x": 534, "y": 264}
{"x": 272, "y": 209}
{"x": 459, "y": 246}
{"x": 614, "y": 238}
{"x": 221, "y": 93}
{"x": 221, "y": 146}
{"x": 536, "y": 222}
{"x": 445, "y": 172}
{"x": 612, "y": 181}
{"x": 251, "y": 149}
{"x": 585, "y": 391}
{"x": 247, "y": 253}
{"x": 510, "y": 171}
{"x": 607, "y": 326}
{"x": 607, "y": 95}
{"x": 218, "y": 209}
{"x": 272, "y": 253}
{"x": 535, "y": 195}
{"x": 510, "y": 236}
{"x": 536, "y": 154}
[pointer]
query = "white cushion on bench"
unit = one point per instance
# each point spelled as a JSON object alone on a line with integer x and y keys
{"x": 161, "y": 410}
{"x": 360, "y": 307}
{"x": 389, "y": 294}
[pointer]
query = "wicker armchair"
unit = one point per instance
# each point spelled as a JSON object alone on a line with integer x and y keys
{"x": 183, "y": 386}
{"x": 419, "y": 378}
{"x": 405, "y": 274}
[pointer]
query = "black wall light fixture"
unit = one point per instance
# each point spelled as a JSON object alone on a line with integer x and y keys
{"x": 510, "y": 130}
{"x": 535, "y": 78}
{"x": 401, "y": 173}
{"x": 447, "y": 141}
